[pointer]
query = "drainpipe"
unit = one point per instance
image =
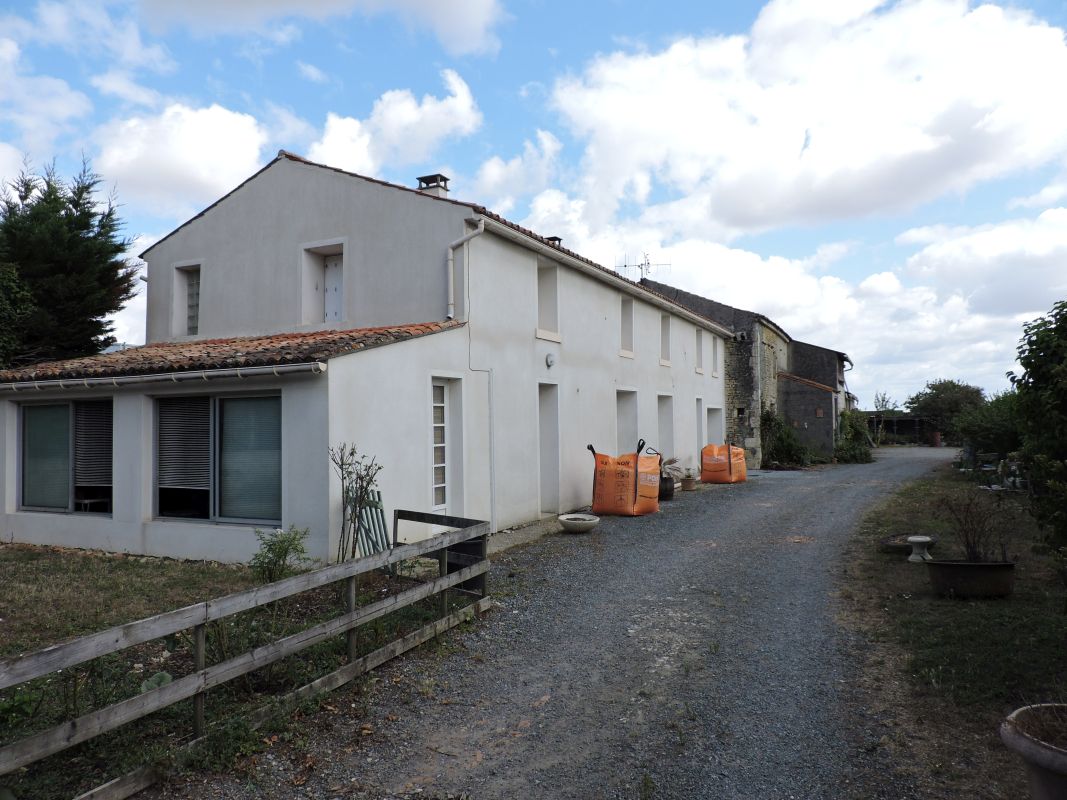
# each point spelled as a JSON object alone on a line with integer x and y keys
{"x": 452, "y": 266}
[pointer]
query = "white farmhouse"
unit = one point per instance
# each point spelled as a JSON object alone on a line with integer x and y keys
{"x": 311, "y": 306}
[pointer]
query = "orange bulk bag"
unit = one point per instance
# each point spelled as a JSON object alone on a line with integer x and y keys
{"x": 721, "y": 463}
{"x": 626, "y": 486}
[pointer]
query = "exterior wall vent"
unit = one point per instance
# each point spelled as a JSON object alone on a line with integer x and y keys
{"x": 436, "y": 185}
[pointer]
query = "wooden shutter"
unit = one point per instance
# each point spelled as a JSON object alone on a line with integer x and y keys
{"x": 92, "y": 443}
{"x": 183, "y": 459}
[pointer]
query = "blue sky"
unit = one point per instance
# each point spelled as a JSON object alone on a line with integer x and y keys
{"x": 885, "y": 178}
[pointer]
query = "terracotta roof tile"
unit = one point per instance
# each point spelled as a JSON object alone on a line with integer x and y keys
{"x": 204, "y": 354}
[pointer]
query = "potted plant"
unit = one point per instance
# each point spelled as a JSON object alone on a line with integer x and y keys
{"x": 1038, "y": 733}
{"x": 980, "y": 521}
{"x": 690, "y": 480}
{"x": 670, "y": 472}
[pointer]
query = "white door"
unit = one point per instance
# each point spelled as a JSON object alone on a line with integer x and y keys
{"x": 332, "y": 289}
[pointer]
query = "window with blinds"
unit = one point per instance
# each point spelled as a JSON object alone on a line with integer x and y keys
{"x": 66, "y": 456}
{"x": 219, "y": 458}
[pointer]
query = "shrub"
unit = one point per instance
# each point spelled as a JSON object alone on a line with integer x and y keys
{"x": 281, "y": 553}
{"x": 853, "y": 439}
{"x": 780, "y": 442}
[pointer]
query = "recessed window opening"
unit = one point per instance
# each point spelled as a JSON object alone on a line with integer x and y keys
{"x": 665, "y": 337}
{"x": 548, "y": 298}
{"x": 626, "y": 333}
{"x": 332, "y": 286}
{"x": 66, "y": 456}
{"x": 699, "y": 348}
{"x": 192, "y": 301}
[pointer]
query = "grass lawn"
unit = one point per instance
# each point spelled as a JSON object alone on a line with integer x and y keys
{"x": 50, "y": 594}
{"x": 948, "y": 671}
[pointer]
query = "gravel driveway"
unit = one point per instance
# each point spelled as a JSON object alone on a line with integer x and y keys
{"x": 689, "y": 654}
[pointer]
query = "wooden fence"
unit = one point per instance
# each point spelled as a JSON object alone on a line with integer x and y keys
{"x": 463, "y": 564}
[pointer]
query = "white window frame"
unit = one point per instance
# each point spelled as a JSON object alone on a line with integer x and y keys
{"x": 312, "y": 270}
{"x": 179, "y": 321}
{"x": 445, "y": 445}
{"x": 72, "y": 434}
{"x": 214, "y": 444}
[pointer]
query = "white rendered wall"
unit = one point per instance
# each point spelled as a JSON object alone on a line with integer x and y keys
{"x": 251, "y": 249}
{"x": 132, "y": 526}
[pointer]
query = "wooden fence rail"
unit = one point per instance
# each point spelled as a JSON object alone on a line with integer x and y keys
{"x": 463, "y": 566}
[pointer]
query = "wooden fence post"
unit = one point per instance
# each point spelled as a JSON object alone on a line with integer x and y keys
{"x": 351, "y": 637}
{"x": 442, "y": 570}
{"x": 200, "y": 661}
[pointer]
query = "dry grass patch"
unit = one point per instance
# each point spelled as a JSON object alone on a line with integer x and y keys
{"x": 48, "y": 594}
{"x": 948, "y": 671}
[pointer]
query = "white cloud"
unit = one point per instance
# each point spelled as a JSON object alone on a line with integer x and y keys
{"x": 11, "y": 161}
{"x": 503, "y": 181}
{"x": 117, "y": 83}
{"x": 461, "y": 26}
{"x": 1049, "y": 195}
{"x": 39, "y": 106}
{"x": 400, "y": 129}
{"x": 181, "y": 159}
{"x": 82, "y": 26}
{"x": 1012, "y": 267}
{"x": 824, "y": 111}
{"x": 311, "y": 72}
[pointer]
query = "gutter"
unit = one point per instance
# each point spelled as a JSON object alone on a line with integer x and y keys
{"x": 602, "y": 275}
{"x": 312, "y": 367}
{"x": 452, "y": 266}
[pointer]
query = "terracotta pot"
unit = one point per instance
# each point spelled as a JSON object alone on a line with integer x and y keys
{"x": 1046, "y": 765}
{"x": 972, "y": 578}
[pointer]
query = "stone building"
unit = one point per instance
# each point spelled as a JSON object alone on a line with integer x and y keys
{"x": 766, "y": 369}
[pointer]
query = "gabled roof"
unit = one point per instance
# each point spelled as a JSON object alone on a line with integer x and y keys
{"x": 285, "y": 155}
{"x": 273, "y": 350}
{"x": 730, "y": 316}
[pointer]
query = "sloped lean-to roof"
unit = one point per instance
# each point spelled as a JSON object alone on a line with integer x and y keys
{"x": 602, "y": 272}
{"x": 258, "y": 353}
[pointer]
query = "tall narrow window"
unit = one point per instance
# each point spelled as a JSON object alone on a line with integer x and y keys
{"x": 66, "y": 456}
{"x": 439, "y": 430}
{"x": 183, "y": 457}
{"x": 192, "y": 301}
{"x": 626, "y": 333}
{"x": 250, "y": 458}
{"x": 665, "y": 339}
{"x": 547, "y": 300}
{"x": 714, "y": 355}
{"x": 699, "y": 347}
{"x": 46, "y": 457}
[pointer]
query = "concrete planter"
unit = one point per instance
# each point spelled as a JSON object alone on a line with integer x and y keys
{"x": 972, "y": 578}
{"x": 1046, "y": 765}
{"x": 578, "y": 523}
{"x": 690, "y": 484}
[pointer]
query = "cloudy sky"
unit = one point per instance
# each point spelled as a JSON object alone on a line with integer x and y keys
{"x": 885, "y": 178}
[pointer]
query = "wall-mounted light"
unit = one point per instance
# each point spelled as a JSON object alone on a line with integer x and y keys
{"x": 550, "y": 359}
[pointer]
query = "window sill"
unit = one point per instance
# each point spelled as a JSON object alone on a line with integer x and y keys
{"x": 626, "y": 354}
{"x": 699, "y": 370}
{"x": 548, "y": 336}
{"x": 664, "y": 362}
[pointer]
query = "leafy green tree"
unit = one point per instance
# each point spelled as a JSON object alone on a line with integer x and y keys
{"x": 993, "y": 427}
{"x": 942, "y": 401}
{"x": 15, "y": 306}
{"x": 886, "y": 404}
{"x": 66, "y": 248}
{"x": 1042, "y": 390}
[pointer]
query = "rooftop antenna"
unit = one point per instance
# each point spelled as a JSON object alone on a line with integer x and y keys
{"x": 639, "y": 269}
